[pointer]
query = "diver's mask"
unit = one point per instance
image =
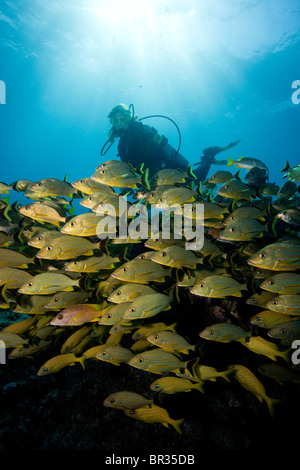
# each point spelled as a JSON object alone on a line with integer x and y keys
{"x": 120, "y": 120}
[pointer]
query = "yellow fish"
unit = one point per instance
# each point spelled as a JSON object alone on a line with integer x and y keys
{"x": 48, "y": 283}
{"x": 155, "y": 414}
{"x": 156, "y": 361}
{"x": 250, "y": 382}
{"x": 52, "y": 187}
{"x": 92, "y": 264}
{"x": 176, "y": 256}
{"x": 56, "y": 363}
{"x": 147, "y": 305}
{"x": 170, "y": 341}
{"x": 218, "y": 286}
{"x": 115, "y": 355}
{"x": 260, "y": 345}
{"x": 141, "y": 271}
{"x": 171, "y": 385}
{"x": 224, "y": 332}
{"x": 13, "y": 259}
{"x": 74, "y": 339}
{"x": 128, "y": 292}
{"x": 44, "y": 211}
{"x": 126, "y": 400}
{"x": 67, "y": 247}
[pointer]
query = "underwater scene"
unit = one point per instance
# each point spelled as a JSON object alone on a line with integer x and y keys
{"x": 149, "y": 227}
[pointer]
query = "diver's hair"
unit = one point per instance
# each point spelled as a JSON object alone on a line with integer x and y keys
{"x": 120, "y": 108}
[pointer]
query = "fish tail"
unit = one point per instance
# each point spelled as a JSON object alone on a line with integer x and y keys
{"x": 272, "y": 403}
{"x": 145, "y": 179}
{"x": 81, "y": 360}
{"x": 238, "y": 175}
{"x": 230, "y": 162}
{"x": 286, "y": 168}
{"x": 225, "y": 374}
{"x": 286, "y": 355}
{"x": 199, "y": 387}
{"x": 140, "y": 168}
{"x": 272, "y": 228}
{"x": 190, "y": 172}
{"x": 173, "y": 327}
{"x": 176, "y": 424}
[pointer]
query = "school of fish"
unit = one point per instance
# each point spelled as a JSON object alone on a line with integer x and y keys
{"x": 117, "y": 300}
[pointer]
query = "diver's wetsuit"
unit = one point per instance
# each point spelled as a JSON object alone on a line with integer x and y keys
{"x": 141, "y": 143}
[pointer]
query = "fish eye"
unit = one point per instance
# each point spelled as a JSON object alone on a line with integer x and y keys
{"x": 141, "y": 359}
{"x": 27, "y": 207}
{"x": 282, "y": 331}
{"x": 118, "y": 293}
{"x": 137, "y": 335}
{"x": 108, "y": 315}
{"x": 272, "y": 282}
{"x": 72, "y": 224}
{"x": 75, "y": 262}
{"x": 56, "y": 299}
{"x": 49, "y": 248}
{"x": 156, "y": 337}
{"x": 201, "y": 285}
{"x": 112, "y": 400}
{"x": 45, "y": 369}
{"x": 211, "y": 332}
{"x": 102, "y": 172}
{"x": 160, "y": 199}
{"x": 132, "y": 412}
{"x": 262, "y": 255}
{"x": 232, "y": 229}
{"x": 39, "y": 238}
{"x": 60, "y": 317}
{"x": 29, "y": 284}
{"x": 258, "y": 319}
{"x": 164, "y": 253}
{"x": 156, "y": 386}
{"x": 124, "y": 270}
{"x": 132, "y": 309}
{"x": 275, "y": 302}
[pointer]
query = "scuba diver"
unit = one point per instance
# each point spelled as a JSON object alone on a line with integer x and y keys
{"x": 140, "y": 143}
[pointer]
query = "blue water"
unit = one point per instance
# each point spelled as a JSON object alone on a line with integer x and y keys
{"x": 221, "y": 69}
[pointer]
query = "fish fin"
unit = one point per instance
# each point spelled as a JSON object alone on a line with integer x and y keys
{"x": 230, "y": 162}
{"x": 190, "y": 172}
{"x": 103, "y": 246}
{"x": 173, "y": 327}
{"x": 199, "y": 386}
{"x": 272, "y": 403}
{"x": 81, "y": 360}
{"x": 89, "y": 253}
{"x": 226, "y": 373}
{"x": 176, "y": 424}
{"x": 238, "y": 294}
{"x": 272, "y": 228}
{"x": 238, "y": 175}
{"x": 68, "y": 289}
{"x": 145, "y": 179}
{"x": 286, "y": 355}
{"x": 286, "y": 168}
